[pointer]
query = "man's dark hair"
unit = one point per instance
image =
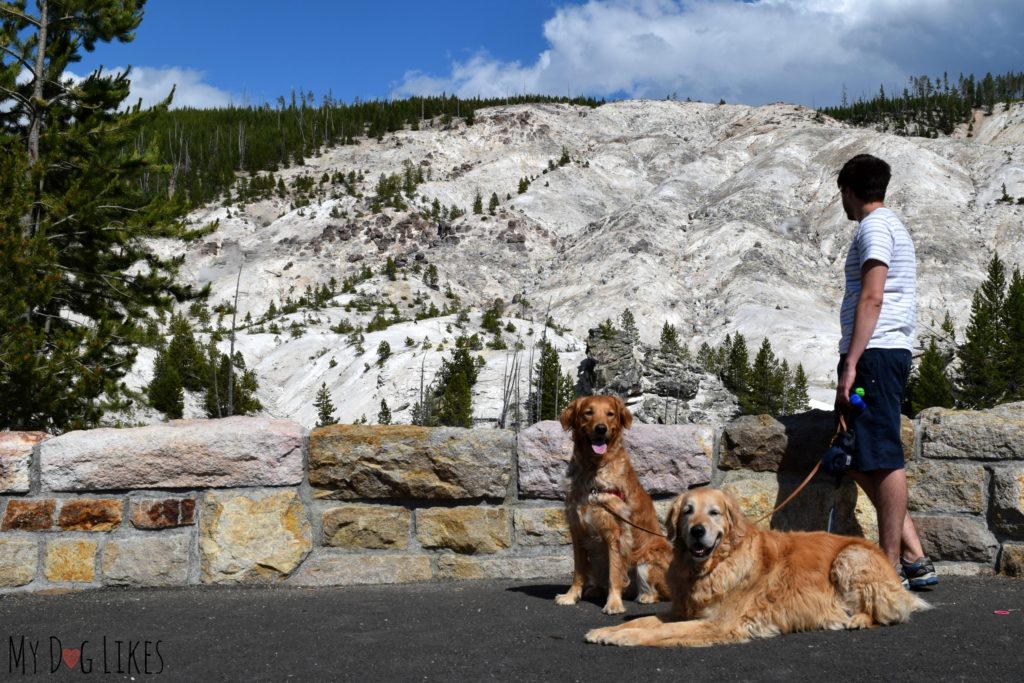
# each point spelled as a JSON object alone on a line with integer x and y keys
{"x": 867, "y": 176}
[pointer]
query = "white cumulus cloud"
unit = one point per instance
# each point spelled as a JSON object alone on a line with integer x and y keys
{"x": 801, "y": 51}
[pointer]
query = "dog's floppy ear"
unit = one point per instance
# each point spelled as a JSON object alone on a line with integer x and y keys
{"x": 625, "y": 417}
{"x": 672, "y": 518}
{"x": 568, "y": 416}
{"x": 734, "y": 514}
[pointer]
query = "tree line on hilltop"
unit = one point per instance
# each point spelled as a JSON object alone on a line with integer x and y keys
{"x": 929, "y": 106}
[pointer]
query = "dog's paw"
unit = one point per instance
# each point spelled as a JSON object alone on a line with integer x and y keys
{"x": 613, "y": 607}
{"x": 610, "y": 636}
{"x": 570, "y": 598}
{"x": 647, "y": 598}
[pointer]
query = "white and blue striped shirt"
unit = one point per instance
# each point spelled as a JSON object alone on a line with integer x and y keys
{"x": 881, "y": 236}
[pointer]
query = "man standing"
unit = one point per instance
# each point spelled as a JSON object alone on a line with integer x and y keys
{"x": 878, "y": 320}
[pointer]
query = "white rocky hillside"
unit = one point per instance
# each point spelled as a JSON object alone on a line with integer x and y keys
{"x": 716, "y": 219}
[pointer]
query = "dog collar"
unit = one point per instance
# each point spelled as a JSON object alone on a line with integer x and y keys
{"x": 615, "y": 492}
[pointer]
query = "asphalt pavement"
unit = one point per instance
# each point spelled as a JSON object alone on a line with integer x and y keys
{"x": 471, "y": 631}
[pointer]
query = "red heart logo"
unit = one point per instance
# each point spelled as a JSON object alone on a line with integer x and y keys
{"x": 70, "y": 657}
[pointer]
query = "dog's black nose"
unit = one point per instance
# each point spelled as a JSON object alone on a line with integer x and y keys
{"x": 697, "y": 531}
{"x": 601, "y": 429}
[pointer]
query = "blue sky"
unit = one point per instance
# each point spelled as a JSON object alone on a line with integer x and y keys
{"x": 802, "y": 51}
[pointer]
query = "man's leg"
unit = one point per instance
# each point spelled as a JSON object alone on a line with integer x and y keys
{"x": 897, "y": 534}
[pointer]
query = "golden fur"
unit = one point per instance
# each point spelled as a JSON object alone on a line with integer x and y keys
{"x": 605, "y": 549}
{"x": 732, "y": 581}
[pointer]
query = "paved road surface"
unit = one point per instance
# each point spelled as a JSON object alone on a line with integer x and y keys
{"x": 473, "y": 631}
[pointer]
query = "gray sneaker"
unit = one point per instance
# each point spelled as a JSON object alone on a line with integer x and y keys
{"x": 920, "y": 573}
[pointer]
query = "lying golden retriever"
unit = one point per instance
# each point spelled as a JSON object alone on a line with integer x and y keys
{"x": 605, "y": 548}
{"x": 732, "y": 581}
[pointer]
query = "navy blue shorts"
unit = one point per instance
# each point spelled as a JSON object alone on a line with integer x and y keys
{"x": 883, "y": 374}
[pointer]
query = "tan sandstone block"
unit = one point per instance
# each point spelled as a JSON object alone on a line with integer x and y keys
{"x": 468, "y": 529}
{"x": 462, "y": 568}
{"x": 70, "y": 561}
{"x": 150, "y": 560}
{"x": 29, "y": 515}
{"x": 90, "y": 514}
{"x": 1011, "y": 559}
{"x": 367, "y": 526}
{"x": 541, "y": 526}
{"x": 253, "y": 537}
{"x": 326, "y": 569}
{"x": 19, "y": 558}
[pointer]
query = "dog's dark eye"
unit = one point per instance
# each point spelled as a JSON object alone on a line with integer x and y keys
{"x": 688, "y": 509}
{"x": 713, "y": 512}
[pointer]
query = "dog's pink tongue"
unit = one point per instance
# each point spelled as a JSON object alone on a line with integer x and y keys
{"x": 600, "y": 450}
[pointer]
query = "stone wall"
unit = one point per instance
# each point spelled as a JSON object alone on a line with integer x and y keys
{"x": 257, "y": 501}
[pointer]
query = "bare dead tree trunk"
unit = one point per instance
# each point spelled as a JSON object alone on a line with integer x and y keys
{"x": 37, "y": 86}
{"x": 213, "y": 369}
{"x": 241, "y": 146}
{"x": 231, "y": 356}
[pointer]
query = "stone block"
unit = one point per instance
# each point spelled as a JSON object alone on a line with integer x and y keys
{"x": 29, "y": 515}
{"x": 160, "y": 560}
{"x": 758, "y": 493}
{"x": 70, "y": 561}
{"x": 790, "y": 443}
{"x": 993, "y": 434}
{"x": 1011, "y": 560}
{"x": 1008, "y": 501}
{"x": 90, "y": 514}
{"x": 384, "y": 527}
{"x": 467, "y": 529}
{"x": 936, "y": 486}
{"x": 19, "y": 559}
{"x": 234, "y": 451}
{"x": 162, "y": 513}
{"x": 252, "y": 537}
{"x": 362, "y": 461}
{"x": 540, "y": 526}
{"x": 326, "y": 569}
{"x": 461, "y": 567}
{"x": 16, "y": 459}
{"x": 965, "y": 539}
{"x": 667, "y": 458}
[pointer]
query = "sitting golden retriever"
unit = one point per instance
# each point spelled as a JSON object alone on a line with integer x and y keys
{"x": 732, "y": 581}
{"x": 605, "y": 549}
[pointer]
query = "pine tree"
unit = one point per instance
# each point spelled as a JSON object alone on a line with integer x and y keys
{"x": 383, "y": 352}
{"x": 478, "y": 204}
{"x": 84, "y": 218}
{"x": 670, "y": 344}
{"x": 766, "y": 383}
{"x": 980, "y": 383}
{"x": 1012, "y": 326}
{"x": 454, "y": 389}
{"x": 524, "y": 185}
{"x": 929, "y": 385}
{"x": 384, "y": 415}
{"x": 736, "y": 367}
{"x": 554, "y": 391}
{"x": 797, "y": 400}
{"x": 492, "y": 205}
{"x": 324, "y": 407}
{"x": 627, "y": 324}
{"x": 165, "y": 392}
